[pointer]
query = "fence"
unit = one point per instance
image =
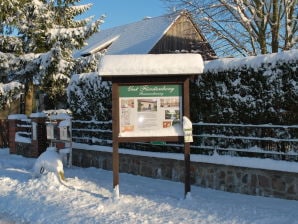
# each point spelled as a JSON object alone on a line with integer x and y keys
{"x": 24, "y": 131}
{"x": 31, "y": 136}
{"x": 92, "y": 132}
{"x": 263, "y": 141}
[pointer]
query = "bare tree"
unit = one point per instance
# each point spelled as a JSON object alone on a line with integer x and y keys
{"x": 245, "y": 27}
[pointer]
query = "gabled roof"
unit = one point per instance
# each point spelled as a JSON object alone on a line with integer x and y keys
{"x": 134, "y": 38}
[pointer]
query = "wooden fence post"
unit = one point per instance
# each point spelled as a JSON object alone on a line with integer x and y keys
{"x": 39, "y": 134}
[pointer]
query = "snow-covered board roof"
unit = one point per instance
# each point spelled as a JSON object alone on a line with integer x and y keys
{"x": 134, "y": 38}
{"x": 151, "y": 64}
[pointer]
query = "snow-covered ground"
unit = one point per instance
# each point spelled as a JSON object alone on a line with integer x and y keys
{"x": 87, "y": 197}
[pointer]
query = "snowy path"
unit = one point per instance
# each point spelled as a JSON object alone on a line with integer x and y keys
{"x": 87, "y": 197}
{"x": 4, "y": 219}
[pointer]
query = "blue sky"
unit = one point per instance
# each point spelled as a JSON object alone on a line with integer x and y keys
{"x": 121, "y": 12}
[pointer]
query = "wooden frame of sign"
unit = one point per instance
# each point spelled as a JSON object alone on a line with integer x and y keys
{"x": 117, "y": 82}
{"x": 150, "y": 97}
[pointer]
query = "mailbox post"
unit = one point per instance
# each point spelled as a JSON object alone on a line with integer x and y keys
{"x": 59, "y": 134}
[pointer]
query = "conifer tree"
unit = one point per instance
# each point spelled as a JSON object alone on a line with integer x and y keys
{"x": 46, "y": 32}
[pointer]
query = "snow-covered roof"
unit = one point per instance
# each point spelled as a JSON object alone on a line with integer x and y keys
{"x": 37, "y": 115}
{"x": 134, "y": 38}
{"x": 17, "y": 117}
{"x": 60, "y": 116}
{"x": 151, "y": 64}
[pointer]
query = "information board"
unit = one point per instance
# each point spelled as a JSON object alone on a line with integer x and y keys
{"x": 150, "y": 110}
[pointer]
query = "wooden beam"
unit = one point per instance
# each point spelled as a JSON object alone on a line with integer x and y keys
{"x": 115, "y": 128}
{"x": 186, "y": 112}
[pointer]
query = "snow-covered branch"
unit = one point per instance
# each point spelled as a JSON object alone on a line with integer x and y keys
{"x": 248, "y": 27}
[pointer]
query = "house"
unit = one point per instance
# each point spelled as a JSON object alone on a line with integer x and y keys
{"x": 171, "y": 33}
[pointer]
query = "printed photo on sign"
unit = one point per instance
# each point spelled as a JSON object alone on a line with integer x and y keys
{"x": 149, "y": 105}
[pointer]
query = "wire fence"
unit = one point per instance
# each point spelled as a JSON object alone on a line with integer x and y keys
{"x": 265, "y": 141}
{"x": 278, "y": 142}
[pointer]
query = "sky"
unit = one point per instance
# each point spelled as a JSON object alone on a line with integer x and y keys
{"x": 120, "y": 12}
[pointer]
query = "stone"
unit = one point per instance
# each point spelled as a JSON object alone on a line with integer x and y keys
{"x": 263, "y": 181}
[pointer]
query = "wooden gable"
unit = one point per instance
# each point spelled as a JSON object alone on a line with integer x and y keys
{"x": 183, "y": 36}
{"x": 172, "y": 33}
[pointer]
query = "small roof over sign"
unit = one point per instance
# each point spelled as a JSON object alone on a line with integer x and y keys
{"x": 151, "y": 64}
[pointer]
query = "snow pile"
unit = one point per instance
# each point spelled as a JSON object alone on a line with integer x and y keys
{"x": 58, "y": 114}
{"x": 38, "y": 115}
{"x": 226, "y": 64}
{"x": 17, "y": 117}
{"x": 151, "y": 64}
{"x": 49, "y": 161}
{"x": 258, "y": 163}
{"x": 88, "y": 198}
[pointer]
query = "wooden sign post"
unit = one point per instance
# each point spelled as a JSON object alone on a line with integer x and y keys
{"x": 149, "y": 99}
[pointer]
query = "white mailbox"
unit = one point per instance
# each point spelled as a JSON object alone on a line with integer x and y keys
{"x": 50, "y": 131}
{"x": 34, "y": 131}
{"x": 187, "y": 128}
{"x": 64, "y": 129}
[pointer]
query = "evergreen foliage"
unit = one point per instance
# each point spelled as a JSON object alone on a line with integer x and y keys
{"x": 8, "y": 93}
{"x": 263, "y": 94}
{"x": 89, "y": 97}
{"x": 37, "y": 40}
{"x": 249, "y": 95}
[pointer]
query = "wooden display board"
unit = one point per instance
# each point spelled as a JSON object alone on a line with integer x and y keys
{"x": 150, "y": 111}
{"x": 150, "y": 98}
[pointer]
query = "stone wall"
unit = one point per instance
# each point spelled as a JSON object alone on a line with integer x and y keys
{"x": 220, "y": 177}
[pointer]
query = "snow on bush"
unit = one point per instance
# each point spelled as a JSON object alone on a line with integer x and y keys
{"x": 50, "y": 161}
{"x": 256, "y": 62}
{"x": 89, "y": 97}
{"x": 9, "y": 92}
{"x": 261, "y": 89}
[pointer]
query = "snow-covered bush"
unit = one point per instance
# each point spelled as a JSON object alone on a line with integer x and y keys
{"x": 261, "y": 89}
{"x": 89, "y": 97}
{"x": 9, "y": 92}
{"x": 255, "y": 90}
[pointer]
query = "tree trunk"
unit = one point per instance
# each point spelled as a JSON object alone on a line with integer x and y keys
{"x": 275, "y": 23}
{"x": 260, "y": 11}
{"x": 291, "y": 23}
